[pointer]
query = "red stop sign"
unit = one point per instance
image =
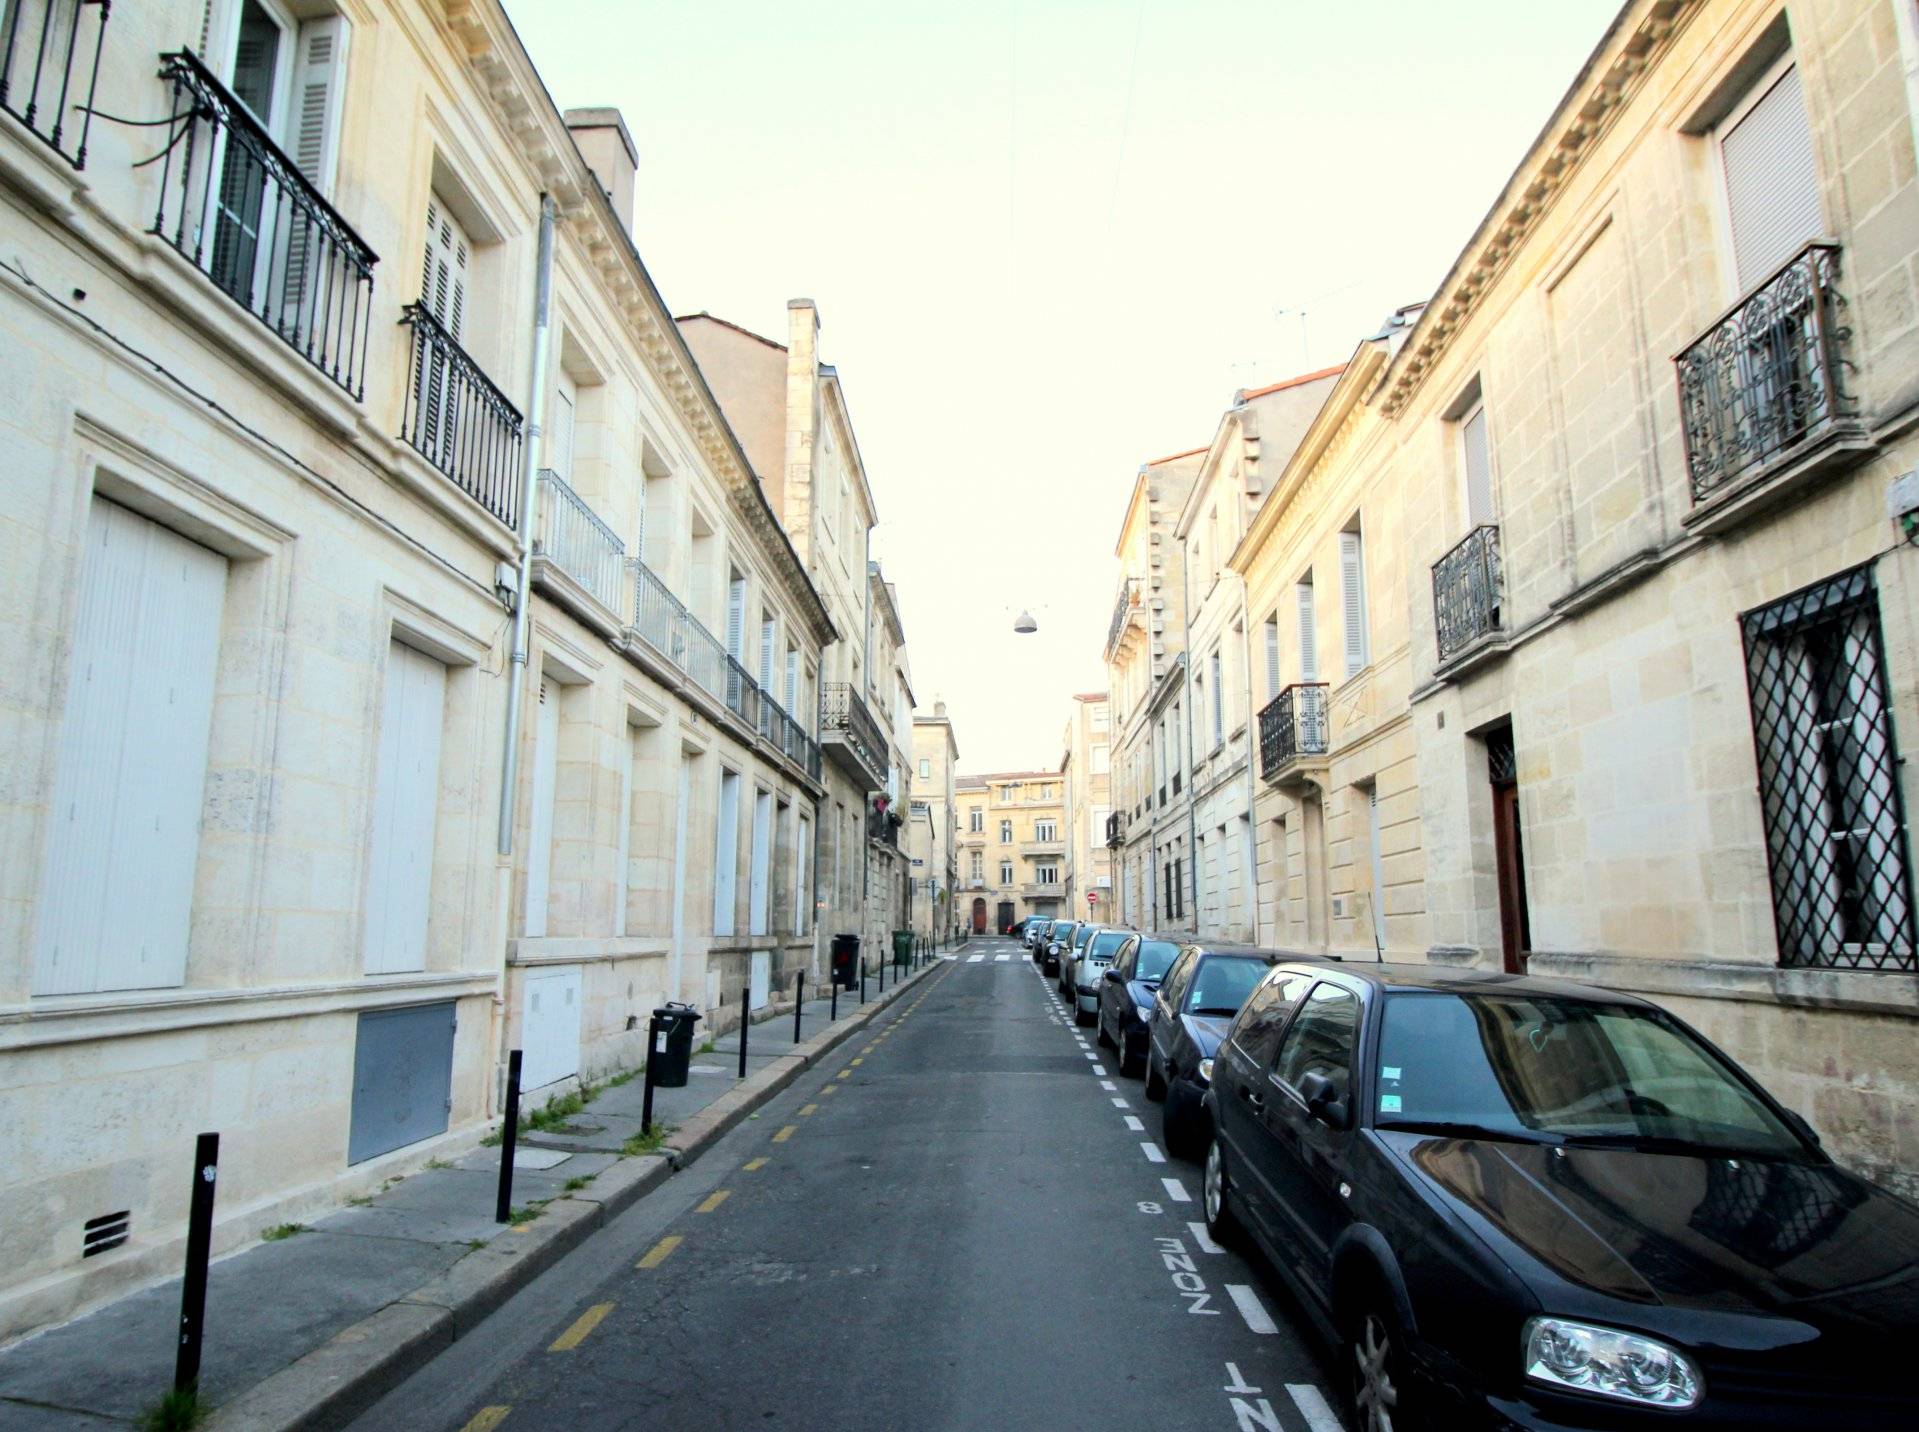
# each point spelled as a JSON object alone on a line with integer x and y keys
{"x": 1092, "y": 897}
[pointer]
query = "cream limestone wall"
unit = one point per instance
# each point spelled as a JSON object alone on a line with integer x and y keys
{"x": 1025, "y": 798}
{"x": 934, "y": 837}
{"x": 1619, "y": 662}
{"x": 135, "y": 379}
{"x": 1089, "y": 799}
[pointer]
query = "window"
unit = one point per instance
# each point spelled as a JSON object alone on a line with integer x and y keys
{"x": 1046, "y": 874}
{"x": 978, "y": 867}
{"x": 123, "y": 831}
{"x": 1101, "y": 721}
{"x": 1006, "y": 832}
{"x": 1308, "y": 649}
{"x": 1006, "y": 872}
{"x": 802, "y": 873}
{"x": 926, "y": 769}
{"x": 442, "y": 294}
{"x": 1215, "y": 670}
{"x": 1257, "y": 1030}
{"x": 1835, "y": 831}
{"x": 1475, "y": 463}
{"x": 791, "y": 688}
{"x": 726, "y": 854}
{"x": 539, "y": 844}
{"x": 1272, "y": 656}
{"x": 1352, "y": 593}
{"x": 769, "y": 642}
{"x": 1320, "y": 1040}
{"x": 976, "y": 821}
{"x": 1771, "y": 180}
{"x": 758, "y": 887}
{"x": 559, "y": 436}
{"x": 1102, "y": 759}
{"x": 1045, "y": 831}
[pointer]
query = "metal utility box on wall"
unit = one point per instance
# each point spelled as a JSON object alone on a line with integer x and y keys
{"x": 550, "y": 1026}
{"x": 402, "y": 1078}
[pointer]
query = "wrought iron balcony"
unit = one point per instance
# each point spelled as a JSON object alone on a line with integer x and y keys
{"x": 1115, "y": 827}
{"x": 883, "y": 827}
{"x": 459, "y": 421}
{"x": 570, "y": 535}
{"x": 1467, "y": 591}
{"x": 1768, "y": 376}
{"x": 50, "y": 68}
{"x": 850, "y": 735}
{"x": 238, "y": 209}
{"x": 1292, "y": 726}
{"x": 1122, "y": 609}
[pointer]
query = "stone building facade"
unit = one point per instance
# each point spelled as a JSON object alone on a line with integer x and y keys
{"x": 1012, "y": 848}
{"x": 297, "y": 538}
{"x": 1086, "y": 773}
{"x": 933, "y": 825}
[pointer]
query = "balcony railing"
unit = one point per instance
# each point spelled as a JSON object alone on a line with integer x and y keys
{"x": 459, "y": 421}
{"x": 1767, "y": 375}
{"x": 1291, "y": 725}
{"x": 1467, "y": 585}
{"x": 1115, "y": 827}
{"x": 239, "y": 210}
{"x": 880, "y": 826}
{"x": 571, "y": 535}
{"x": 846, "y": 723}
{"x": 51, "y": 53}
{"x": 663, "y": 622}
{"x": 1128, "y": 598}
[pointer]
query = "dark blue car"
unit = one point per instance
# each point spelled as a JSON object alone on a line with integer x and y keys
{"x": 1126, "y": 996}
{"x": 1195, "y": 1002}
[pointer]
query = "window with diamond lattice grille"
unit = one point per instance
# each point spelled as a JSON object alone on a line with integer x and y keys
{"x": 1828, "y": 778}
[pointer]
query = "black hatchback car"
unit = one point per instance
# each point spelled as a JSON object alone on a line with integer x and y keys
{"x": 1126, "y": 992}
{"x": 1195, "y": 1002}
{"x": 1517, "y": 1202}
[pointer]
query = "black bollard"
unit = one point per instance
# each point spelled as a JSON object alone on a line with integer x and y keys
{"x": 193, "y": 1285}
{"x": 646, "y": 1098}
{"x": 746, "y": 1021}
{"x": 799, "y": 995}
{"x": 509, "y": 1138}
{"x": 833, "y": 1008}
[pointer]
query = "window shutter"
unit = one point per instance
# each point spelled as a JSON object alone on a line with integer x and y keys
{"x": 1352, "y": 579}
{"x": 1272, "y": 656}
{"x": 539, "y": 845}
{"x": 319, "y": 80}
{"x": 1772, "y": 183}
{"x": 767, "y": 631}
{"x": 1219, "y": 702}
{"x": 735, "y": 616}
{"x": 792, "y": 687}
{"x": 1308, "y": 651}
{"x": 405, "y": 807}
{"x": 1477, "y": 457}
{"x": 559, "y": 443}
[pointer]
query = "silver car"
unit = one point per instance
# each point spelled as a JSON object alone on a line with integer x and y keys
{"x": 1081, "y": 934}
{"x": 1088, "y": 965}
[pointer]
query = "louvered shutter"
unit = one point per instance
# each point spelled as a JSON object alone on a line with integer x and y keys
{"x": 443, "y": 294}
{"x": 1352, "y": 586}
{"x": 1477, "y": 458}
{"x": 1308, "y": 649}
{"x": 1772, "y": 182}
{"x": 768, "y": 631}
{"x": 1272, "y": 656}
{"x": 735, "y": 616}
{"x": 539, "y": 845}
{"x": 123, "y": 822}
{"x": 792, "y": 689}
{"x": 319, "y": 78}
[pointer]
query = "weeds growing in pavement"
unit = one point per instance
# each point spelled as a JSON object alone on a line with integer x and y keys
{"x": 625, "y": 1076}
{"x": 283, "y": 1230}
{"x": 646, "y": 1143}
{"x": 476, "y": 1244}
{"x": 175, "y": 1412}
{"x": 526, "y": 1213}
{"x": 706, "y": 1048}
{"x": 574, "y": 1185}
{"x": 358, "y": 1200}
{"x": 494, "y": 1139}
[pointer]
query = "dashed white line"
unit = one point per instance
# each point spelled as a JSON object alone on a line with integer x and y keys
{"x": 1134, "y": 1124}
{"x": 1098, "y": 1070}
{"x": 1001, "y": 959}
{"x": 1107, "y": 1084}
{"x": 1203, "y": 1238}
{"x": 1153, "y": 1155}
{"x": 1312, "y": 1406}
{"x": 1251, "y": 1309}
{"x": 974, "y": 959}
{"x": 1175, "y": 1190}
{"x": 1119, "y": 1103}
{"x": 1091, "y": 1055}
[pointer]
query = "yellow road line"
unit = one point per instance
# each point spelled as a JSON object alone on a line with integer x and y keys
{"x": 754, "y": 1166}
{"x": 660, "y": 1251}
{"x": 843, "y": 1073}
{"x": 829, "y": 1089}
{"x": 786, "y": 1133}
{"x": 486, "y": 1419}
{"x": 582, "y": 1325}
{"x": 714, "y": 1199}
{"x": 806, "y": 1109}
{"x": 857, "y": 1062}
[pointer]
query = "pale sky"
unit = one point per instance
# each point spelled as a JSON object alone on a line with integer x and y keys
{"x": 1048, "y": 239}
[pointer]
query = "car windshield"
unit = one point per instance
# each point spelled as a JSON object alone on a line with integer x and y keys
{"x": 1551, "y": 1067}
{"x": 1155, "y": 958}
{"x": 1085, "y": 934}
{"x": 1222, "y": 983}
{"x": 1063, "y": 933}
{"x": 1106, "y": 944}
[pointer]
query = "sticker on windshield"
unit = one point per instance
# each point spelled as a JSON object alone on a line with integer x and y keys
{"x": 1390, "y": 1071}
{"x": 1389, "y": 1103}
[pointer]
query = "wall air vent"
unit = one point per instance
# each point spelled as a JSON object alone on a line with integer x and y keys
{"x": 109, "y": 1230}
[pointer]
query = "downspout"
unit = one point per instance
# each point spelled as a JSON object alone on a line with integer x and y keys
{"x": 535, "y": 410}
{"x": 1192, "y": 803}
{"x": 1252, "y": 752}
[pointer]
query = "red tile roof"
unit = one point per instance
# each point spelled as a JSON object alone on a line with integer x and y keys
{"x": 1302, "y": 379}
{"x": 1175, "y": 457}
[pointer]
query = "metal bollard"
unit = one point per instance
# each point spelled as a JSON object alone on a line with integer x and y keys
{"x": 510, "y": 1135}
{"x": 799, "y": 995}
{"x": 193, "y": 1285}
{"x": 646, "y": 1099}
{"x": 746, "y": 1023}
{"x": 833, "y": 1009}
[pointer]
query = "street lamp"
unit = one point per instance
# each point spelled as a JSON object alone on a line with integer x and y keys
{"x": 1024, "y": 624}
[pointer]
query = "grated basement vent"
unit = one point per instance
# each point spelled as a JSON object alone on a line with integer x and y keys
{"x": 109, "y": 1230}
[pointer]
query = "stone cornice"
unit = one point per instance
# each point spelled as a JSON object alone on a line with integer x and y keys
{"x": 1639, "y": 36}
{"x": 527, "y": 113}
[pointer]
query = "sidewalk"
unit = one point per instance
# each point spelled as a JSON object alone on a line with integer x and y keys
{"x": 305, "y": 1330}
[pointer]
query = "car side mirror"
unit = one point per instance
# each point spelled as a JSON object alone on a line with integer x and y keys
{"x": 1113, "y": 975}
{"x": 1322, "y": 1101}
{"x": 1803, "y": 1128}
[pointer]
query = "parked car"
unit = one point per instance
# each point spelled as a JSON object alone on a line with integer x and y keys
{"x": 1036, "y": 928}
{"x": 1126, "y": 994}
{"x": 1019, "y": 928}
{"x": 1090, "y": 961}
{"x": 1521, "y": 1202}
{"x": 1057, "y": 942}
{"x": 1042, "y": 932}
{"x": 1082, "y": 933}
{"x": 1195, "y": 1002}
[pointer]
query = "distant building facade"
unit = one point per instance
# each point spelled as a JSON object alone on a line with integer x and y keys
{"x": 1012, "y": 844}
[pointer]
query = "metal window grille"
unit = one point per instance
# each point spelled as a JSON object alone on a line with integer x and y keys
{"x": 1829, "y": 778}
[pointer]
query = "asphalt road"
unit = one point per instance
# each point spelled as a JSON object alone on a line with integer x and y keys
{"x": 952, "y": 1224}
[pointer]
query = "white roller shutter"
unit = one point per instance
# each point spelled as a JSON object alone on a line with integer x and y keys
{"x": 759, "y": 884}
{"x": 726, "y": 854}
{"x": 1772, "y": 183}
{"x": 123, "y": 827}
{"x": 406, "y": 800}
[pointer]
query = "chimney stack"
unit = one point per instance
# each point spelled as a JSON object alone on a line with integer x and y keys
{"x": 608, "y": 150}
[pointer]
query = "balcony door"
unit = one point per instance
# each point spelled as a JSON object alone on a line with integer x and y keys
{"x": 1515, "y": 921}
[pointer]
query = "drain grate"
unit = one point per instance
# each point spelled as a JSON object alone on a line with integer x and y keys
{"x": 109, "y": 1230}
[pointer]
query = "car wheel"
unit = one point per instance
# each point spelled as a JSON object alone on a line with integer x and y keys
{"x": 1221, "y": 1226}
{"x": 1155, "y": 1086}
{"x": 1375, "y": 1370}
{"x": 1181, "y": 1126}
{"x": 1080, "y": 1017}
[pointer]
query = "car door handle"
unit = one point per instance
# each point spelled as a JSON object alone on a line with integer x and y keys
{"x": 1251, "y": 1098}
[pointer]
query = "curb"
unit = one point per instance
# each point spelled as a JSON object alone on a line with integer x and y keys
{"x": 347, "y": 1374}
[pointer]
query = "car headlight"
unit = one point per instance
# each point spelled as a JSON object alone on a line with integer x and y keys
{"x": 1606, "y": 1361}
{"x": 1205, "y": 1071}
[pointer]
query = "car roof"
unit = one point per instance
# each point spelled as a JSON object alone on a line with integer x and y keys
{"x": 1461, "y": 979}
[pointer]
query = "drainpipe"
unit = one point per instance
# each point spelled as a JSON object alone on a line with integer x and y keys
{"x": 1252, "y": 751}
{"x": 1192, "y": 801}
{"x": 535, "y": 410}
